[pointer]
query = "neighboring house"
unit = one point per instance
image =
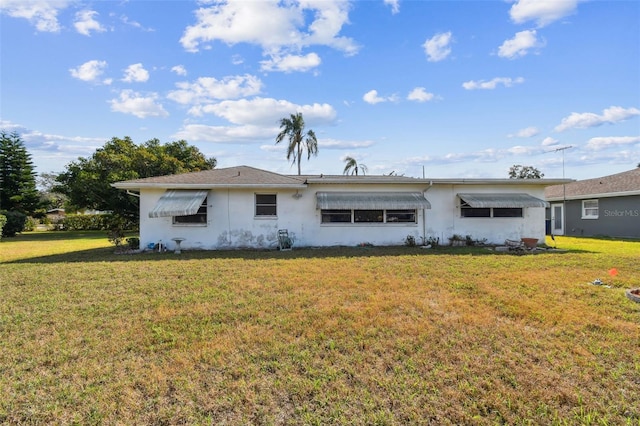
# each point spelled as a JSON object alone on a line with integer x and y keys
{"x": 55, "y": 215}
{"x": 607, "y": 206}
{"x": 245, "y": 207}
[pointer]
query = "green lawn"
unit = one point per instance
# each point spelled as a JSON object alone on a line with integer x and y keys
{"x": 369, "y": 335}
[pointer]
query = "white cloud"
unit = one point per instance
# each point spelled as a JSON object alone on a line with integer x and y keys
{"x": 289, "y": 63}
{"x": 90, "y": 71}
{"x": 438, "y": 47}
{"x": 527, "y": 132}
{"x": 395, "y": 5}
{"x": 179, "y": 69}
{"x": 125, "y": 19}
{"x": 599, "y": 143}
{"x": 371, "y": 97}
{"x": 420, "y": 94}
{"x": 584, "y": 120}
{"x": 209, "y": 89}
{"x": 341, "y": 144}
{"x": 85, "y": 23}
{"x": 135, "y": 74}
{"x": 543, "y": 12}
{"x": 492, "y": 84}
{"x": 276, "y": 26}
{"x": 519, "y": 45}
{"x": 549, "y": 141}
{"x": 42, "y": 14}
{"x": 134, "y": 103}
{"x": 225, "y": 134}
{"x": 268, "y": 111}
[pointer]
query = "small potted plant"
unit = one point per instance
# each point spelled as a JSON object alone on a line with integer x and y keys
{"x": 529, "y": 243}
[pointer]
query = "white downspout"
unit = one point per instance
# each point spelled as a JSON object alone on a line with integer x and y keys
{"x": 424, "y": 215}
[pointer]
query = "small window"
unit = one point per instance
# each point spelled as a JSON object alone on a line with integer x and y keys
{"x": 401, "y": 216}
{"x": 368, "y": 216}
{"x": 466, "y": 211}
{"x": 507, "y": 212}
{"x": 199, "y": 218}
{"x": 266, "y": 205}
{"x": 590, "y": 209}
{"x": 336, "y": 216}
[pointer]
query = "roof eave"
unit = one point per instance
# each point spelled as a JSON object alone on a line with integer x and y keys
{"x": 138, "y": 186}
{"x": 601, "y": 195}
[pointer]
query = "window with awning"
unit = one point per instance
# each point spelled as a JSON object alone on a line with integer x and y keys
{"x": 179, "y": 202}
{"x": 370, "y": 207}
{"x": 371, "y": 201}
{"x": 502, "y": 205}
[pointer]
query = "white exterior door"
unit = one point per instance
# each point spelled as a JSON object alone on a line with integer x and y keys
{"x": 557, "y": 219}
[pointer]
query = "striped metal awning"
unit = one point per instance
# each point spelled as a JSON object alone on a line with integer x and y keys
{"x": 371, "y": 200}
{"x": 505, "y": 200}
{"x": 179, "y": 202}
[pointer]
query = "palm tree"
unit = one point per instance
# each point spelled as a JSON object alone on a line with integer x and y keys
{"x": 293, "y": 128}
{"x": 353, "y": 167}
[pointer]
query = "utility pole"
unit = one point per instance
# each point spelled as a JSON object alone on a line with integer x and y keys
{"x": 564, "y": 189}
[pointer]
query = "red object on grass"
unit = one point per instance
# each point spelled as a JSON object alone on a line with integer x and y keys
{"x": 613, "y": 272}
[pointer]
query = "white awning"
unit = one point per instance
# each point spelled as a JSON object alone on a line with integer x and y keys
{"x": 179, "y": 202}
{"x": 505, "y": 200}
{"x": 371, "y": 200}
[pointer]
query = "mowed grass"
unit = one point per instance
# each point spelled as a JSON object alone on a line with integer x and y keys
{"x": 317, "y": 336}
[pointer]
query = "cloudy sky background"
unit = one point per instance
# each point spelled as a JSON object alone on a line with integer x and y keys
{"x": 454, "y": 89}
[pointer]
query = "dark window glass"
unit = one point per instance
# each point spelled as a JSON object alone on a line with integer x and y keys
{"x": 368, "y": 215}
{"x": 266, "y": 205}
{"x": 405, "y": 216}
{"x": 199, "y": 217}
{"x": 507, "y": 212}
{"x": 336, "y": 216}
{"x": 475, "y": 211}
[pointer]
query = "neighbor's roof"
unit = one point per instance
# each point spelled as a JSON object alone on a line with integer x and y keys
{"x": 230, "y": 177}
{"x": 620, "y": 184}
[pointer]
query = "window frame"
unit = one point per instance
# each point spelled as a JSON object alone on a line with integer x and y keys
{"x": 264, "y": 205}
{"x": 336, "y": 213}
{"x": 467, "y": 212}
{"x": 199, "y": 219}
{"x": 587, "y": 212}
{"x": 382, "y": 214}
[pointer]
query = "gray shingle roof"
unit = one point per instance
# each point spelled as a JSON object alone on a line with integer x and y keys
{"x": 230, "y": 176}
{"x": 625, "y": 183}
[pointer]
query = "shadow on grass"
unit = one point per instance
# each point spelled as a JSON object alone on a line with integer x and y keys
{"x": 109, "y": 254}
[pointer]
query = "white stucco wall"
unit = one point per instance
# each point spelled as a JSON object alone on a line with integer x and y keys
{"x": 231, "y": 222}
{"x": 444, "y": 219}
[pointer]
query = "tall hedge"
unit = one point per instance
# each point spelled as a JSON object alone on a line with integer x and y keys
{"x": 3, "y": 220}
{"x": 14, "y": 223}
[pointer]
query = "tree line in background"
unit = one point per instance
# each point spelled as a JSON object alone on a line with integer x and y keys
{"x": 86, "y": 183}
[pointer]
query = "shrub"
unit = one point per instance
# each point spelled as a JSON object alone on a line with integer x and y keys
{"x": 3, "y": 220}
{"x": 134, "y": 243}
{"x": 30, "y": 224}
{"x": 14, "y": 224}
{"x": 410, "y": 241}
{"x": 97, "y": 222}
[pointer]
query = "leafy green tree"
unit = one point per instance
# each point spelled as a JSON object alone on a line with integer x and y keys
{"x": 17, "y": 178}
{"x": 49, "y": 199}
{"x": 518, "y": 171}
{"x": 299, "y": 141}
{"x": 87, "y": 181}
{"x": 352, "y": 167}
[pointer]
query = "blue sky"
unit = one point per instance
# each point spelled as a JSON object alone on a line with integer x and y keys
{"x": 451, "y": 88}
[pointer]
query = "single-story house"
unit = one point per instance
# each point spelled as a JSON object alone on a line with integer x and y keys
{"x": 55, "y": 215}
{"x": 607, "y": 206}
{"x": 243, "y": 206}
